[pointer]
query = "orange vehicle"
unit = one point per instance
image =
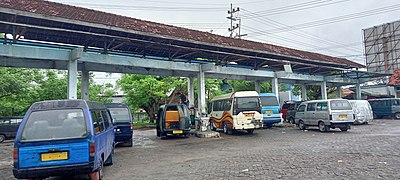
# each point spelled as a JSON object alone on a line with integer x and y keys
{"x": 173, "y": 119}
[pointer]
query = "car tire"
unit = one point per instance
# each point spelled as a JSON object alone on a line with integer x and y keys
{"x": 186, "y": 135}
{"x": 225, "y": 127}
{"x": 129, "y": 143}
{"x": 109, "y": 160}
{"x": 291, "y": 120}
{"x": 375, "y": 116}
{"x": 301, "y": 125}
{"x": 268, "y": 126}
{"x": 163, "y": 135}
{"x": 397, "y": 115}
{"x": 322, "y": 127}
{"x": 250, "y": 131}
{"x": 2, "y": 138}
{"x": 344, "y": 129}
{"x": 212, "y": 126}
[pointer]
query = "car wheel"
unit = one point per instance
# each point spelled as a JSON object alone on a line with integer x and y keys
{"x": 163, "y": 135}
{"x": 397, "y": 115}
{"x": 322, "y": 127}
{"x": 186, "y": 135}
{"x": 212, "y": 126}
{"x": 344, "y": 129}
{"x": 225, "y": 128}
{"x": 158, "y": 133}
{"x": 268, "y": 125}
{"x": 375, "y": 116}
{"x": 109, "y": 160}
{"x": 129, "y": 143}
{"x": 291, "y": 120}
{"x": 250, "y": 131}
{"x": 301, "y": 125}
{"x": 2, "y": 138}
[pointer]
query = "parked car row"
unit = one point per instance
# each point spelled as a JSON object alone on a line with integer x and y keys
{"x": 9, "y": 126}
{"x": 69, "y": 137}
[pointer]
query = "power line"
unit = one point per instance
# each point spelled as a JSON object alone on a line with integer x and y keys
{"x": 299, "y": 32}
{"x": 332, "y": 20}
{"x": 250, "y": 29}
{"x": 337, "y": 46}
{"x": 290, "y": 40}
{"x": 293, "y": 8}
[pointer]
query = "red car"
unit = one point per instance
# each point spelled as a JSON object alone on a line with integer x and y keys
{"x": 287, "y": 105}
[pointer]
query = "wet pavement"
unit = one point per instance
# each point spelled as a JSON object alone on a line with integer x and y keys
{"x": 364, "y": 152}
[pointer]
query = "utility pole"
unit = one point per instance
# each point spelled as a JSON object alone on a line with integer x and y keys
{"x": 231, "y": 17}
{"x": 239, "y": 35}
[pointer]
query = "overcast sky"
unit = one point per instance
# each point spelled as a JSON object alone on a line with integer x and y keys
{"x": 332, "y": 27}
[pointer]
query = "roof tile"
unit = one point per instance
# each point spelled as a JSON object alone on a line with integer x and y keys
{"x": 94, "y": 16}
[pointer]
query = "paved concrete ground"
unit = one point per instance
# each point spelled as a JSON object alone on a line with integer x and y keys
{"x": 364, "y": 152}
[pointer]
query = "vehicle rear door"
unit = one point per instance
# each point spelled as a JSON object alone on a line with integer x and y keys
{"x": 184, "y": 117}
{"x": 53, "y": 138}
{"x": 218, "y": 113}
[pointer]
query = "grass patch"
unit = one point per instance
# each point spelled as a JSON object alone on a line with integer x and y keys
{"x": 142, "y": 123}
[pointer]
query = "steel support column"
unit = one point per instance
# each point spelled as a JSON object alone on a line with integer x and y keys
{"x": 85, "y": 85}
{"x": 72, "y": 89}
{"x": 191, "y": 91}
{"x": 304, "y": 92}
{"x": 257, "y": 86}
{"x": 275, "y": 87}
{"x": 358, "y": 90}
{"x": 201, "y": 105}
{"x": 323, "y": 90}
{"x": 72, "y": 79}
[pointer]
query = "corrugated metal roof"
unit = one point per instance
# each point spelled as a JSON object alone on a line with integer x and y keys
{"x": 92, "y": 16}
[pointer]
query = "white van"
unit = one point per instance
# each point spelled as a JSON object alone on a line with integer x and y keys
{"x": 326, "y": 114}
{"x": 236, "y": 111}
{"x": 363, "y": 111}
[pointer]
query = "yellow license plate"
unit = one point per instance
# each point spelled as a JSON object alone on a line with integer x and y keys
{"x": 177, "y": 132}
{"x": 248, "y": 115}
{"x": 269, "y": 112}
{"x": 342, "y": 116}
{"x": 54, "y": 156}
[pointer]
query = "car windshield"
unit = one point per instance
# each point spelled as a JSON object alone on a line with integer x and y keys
{"x": 340, "y": 105}
{"x": 248, "y": 102}
{"x": 269, "y": 101}
{"x": 120, "y": 115}
{"x": 54, "y": 124}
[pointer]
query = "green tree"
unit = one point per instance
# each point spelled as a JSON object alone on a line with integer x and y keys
{"x": 21, "y": 87}
{"x": 15, "y": 89}
{"x": 143, "y": 91}
{"x": 314, "y": 92}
